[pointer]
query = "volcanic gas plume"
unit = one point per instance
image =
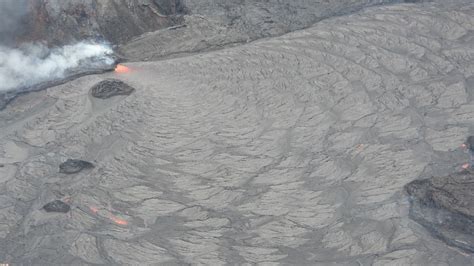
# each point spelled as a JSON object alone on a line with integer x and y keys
{"x": 35, "y": 63}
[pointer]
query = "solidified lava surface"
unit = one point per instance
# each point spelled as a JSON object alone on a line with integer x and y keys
{"x": 290, "y": 150}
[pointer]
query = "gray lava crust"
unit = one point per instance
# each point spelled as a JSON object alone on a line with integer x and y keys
{"x": 290, "y": 150}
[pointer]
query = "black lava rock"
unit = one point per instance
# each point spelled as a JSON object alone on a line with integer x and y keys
{"x": 57, "y": 206}
{"x": 109, "y": 88}
{"x": 71, "y": 166}
{"x": 470, "y": 142}
{"x": 445, "y": 207}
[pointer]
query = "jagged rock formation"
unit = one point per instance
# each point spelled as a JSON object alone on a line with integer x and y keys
{"x": 445, "y": 206}
{"x": 109, "y": 88}
{"x": 212, "y": 24}
{"x": 60, "y": 22}
{"x": 209, "y": 23}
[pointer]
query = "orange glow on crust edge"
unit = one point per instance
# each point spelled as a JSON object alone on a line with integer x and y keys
{"x": 114, "y": 219}
{"x": 118, "y": 220}
{"x": 122, "y": 69}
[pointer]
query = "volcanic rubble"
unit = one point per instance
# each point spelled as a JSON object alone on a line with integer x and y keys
{"x": 445, "y": 206}
{"x": 109, "y": 88}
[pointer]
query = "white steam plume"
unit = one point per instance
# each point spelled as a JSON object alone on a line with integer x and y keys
{"x": 35, "y": 63}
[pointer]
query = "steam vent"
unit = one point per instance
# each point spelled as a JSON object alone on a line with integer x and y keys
{"x": 211, "y": 132}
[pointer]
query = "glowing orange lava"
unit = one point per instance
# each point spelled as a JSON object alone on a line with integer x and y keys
{"x": 465, "y": 166}
{"x": 94, "y": 209}
{"x": 114, "y": 219}
{"x": 118, "y": 220}
{"x": 122, "y": 69}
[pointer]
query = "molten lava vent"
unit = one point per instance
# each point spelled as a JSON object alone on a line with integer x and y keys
{"x": 122, "y": 69}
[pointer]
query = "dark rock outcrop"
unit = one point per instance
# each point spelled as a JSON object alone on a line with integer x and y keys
{"x": 57, "y": 206}
{"x": 212, "y": 23}
{"x": 445, "y": 206}
{"x": 71, "y": 166}
{"x": 111, "y": 87}
{"x": 470, "y": 142}
{"x": 117, "y": 21}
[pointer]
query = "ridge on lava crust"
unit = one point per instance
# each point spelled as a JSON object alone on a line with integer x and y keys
{"x": 57, "y": 206}
{"x": 72, "y": 166}
{"x": 445, "y": 206}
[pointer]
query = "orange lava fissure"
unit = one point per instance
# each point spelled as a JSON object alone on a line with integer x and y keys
{"x": 118, "y": 220}
{"x": 122, "y": 69}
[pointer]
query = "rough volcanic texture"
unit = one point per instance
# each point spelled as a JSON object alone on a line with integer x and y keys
{"x": 470, "y": 142}
{"x": 291, "y": 150}
{"x": 445, "y": 206}
{"x": 57, "y": 206}
{"x": 209, "y": 24}
{"x": 212, "y": 24}
{"x": 60, "y": 22}
{"x": 111, "y": 87}
{"x": 72, "y": 166}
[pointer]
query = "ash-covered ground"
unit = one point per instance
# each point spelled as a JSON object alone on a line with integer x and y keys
{"x": 291, "y": 150}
